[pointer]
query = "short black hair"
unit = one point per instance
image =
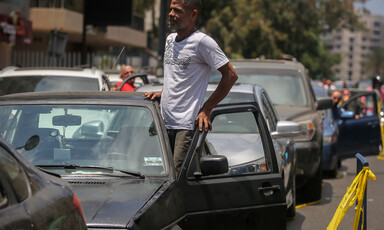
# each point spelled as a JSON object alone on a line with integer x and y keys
{"x": 193, "y": 4}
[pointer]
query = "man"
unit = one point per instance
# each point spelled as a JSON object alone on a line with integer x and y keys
{"x": 188, "y": 59}
{"x": 336, "y": 98}
{"x": 125, "y": 72}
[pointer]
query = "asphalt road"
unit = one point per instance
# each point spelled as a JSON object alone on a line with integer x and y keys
{"x": 318, "y": 216}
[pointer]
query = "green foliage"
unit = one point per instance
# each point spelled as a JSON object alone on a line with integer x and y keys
{"x": 375, "y": 61}
{"x": 269, "y": 28}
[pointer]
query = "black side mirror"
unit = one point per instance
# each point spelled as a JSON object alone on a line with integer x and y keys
{"x": 324, "y": 103}
{"x": 213, "y": 165}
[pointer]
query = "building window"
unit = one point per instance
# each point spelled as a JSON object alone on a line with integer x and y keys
{"x": 364, "y": 39}
{"x": 351, "y": 64}
{"x": 351, "y": 56}
{"x": 350, "y": 74}
{"x": 351, "y": 48}
{"x": 351, "y": 39}
{"x": 376, "y": 32}
{"x": 376, "y": 24}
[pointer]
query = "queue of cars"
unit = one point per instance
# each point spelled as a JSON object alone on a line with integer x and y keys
{"x": 112, "y": 148}
{"x": 289, "y": 87}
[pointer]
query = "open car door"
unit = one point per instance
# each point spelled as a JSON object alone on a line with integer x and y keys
{"x": 232, "y": 180}
{"x": 359, "y": 126}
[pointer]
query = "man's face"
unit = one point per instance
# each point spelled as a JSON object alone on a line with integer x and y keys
{"x": 179, "y": 17}
{"x": 126, "y": 72}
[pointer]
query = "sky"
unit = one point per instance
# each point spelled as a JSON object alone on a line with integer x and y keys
{"x": 375, "y": 6}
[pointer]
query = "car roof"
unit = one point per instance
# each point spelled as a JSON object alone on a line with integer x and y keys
{"x": 76, "y": 97}
{"x": 268, "y": 64}
{"x": 53, "y": 71}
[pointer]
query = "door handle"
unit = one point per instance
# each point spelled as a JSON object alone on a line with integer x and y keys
{"x": 268, "y": 191}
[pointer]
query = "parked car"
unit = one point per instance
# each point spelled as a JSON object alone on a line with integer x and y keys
{"x": 284, "y": 147}
{"x": 330, "y": 158}
{"x": 32, "y": 199}
{"x": 114, "y": 149}
{"x": 20, "y": 80}
{"x": 290, "y": 90}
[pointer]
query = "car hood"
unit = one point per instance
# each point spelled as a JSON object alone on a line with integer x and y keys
{"x": 112, "y": 202}
{"x": 290, "y": 113}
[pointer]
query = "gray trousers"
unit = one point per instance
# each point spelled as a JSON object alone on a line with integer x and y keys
{"x": 180, "y": 140}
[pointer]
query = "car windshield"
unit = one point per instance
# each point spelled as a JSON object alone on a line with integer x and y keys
{"x": 283, "y": 89}
{"x": 118, "y": 137}
{"x": 22, "y": 84}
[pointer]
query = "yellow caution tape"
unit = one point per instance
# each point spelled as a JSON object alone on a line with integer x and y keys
{"x": 354, "y": 193}
{"x": 381, "y": 155}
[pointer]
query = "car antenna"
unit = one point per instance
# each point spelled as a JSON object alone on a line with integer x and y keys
{"x": 117, "y": 59}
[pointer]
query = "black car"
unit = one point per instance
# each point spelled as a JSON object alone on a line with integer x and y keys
{"x": 113, "y": 148}
{"x": 289, "y": 88}
{"x": 32, "y": 199}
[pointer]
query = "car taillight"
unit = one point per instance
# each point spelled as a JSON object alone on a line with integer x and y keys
{"x": 77, "y": 203}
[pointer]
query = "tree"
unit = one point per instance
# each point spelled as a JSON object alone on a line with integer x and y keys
{"x": 375, "y": 61}
{"x": 270, "y": 28}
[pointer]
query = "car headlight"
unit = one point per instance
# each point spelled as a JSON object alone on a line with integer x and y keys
{"x": 249, "y": 167}
{"x": 329, "y": 139}
{"x": 307, "y": 129}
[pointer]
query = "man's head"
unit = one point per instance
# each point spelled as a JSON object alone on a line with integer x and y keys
{"x": 336, "y": 96}
{"x": 346, "y": 95}
{"x": 183, "y": 15}
{"x": 127, "y": 71}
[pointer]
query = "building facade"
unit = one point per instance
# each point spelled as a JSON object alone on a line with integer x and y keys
{"x": 355, "y": 46}
{"x": 65, "y": 17}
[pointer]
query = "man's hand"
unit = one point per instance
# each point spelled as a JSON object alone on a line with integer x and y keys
{"x": 153, "y": 95}
{"x": 204, "y": 119}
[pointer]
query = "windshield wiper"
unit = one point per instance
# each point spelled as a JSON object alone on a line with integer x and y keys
{"x": 75, "y": 166}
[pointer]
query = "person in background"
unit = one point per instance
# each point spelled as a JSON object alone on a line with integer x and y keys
{"x": 329, "y": 85}
{"x": 336, "y": 98}
{"x": 190, "y": 55}
{"x": 125, "y": 72}
{"x": 354, "y": 106}
{"x": 377, "y": 82}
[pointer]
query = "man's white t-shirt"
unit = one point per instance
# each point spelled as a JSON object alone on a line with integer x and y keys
{"x": 187, "y": 68}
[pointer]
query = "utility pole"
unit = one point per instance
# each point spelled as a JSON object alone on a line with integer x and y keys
{"x": 162, "y": 28}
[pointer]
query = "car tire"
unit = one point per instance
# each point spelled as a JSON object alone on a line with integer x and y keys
{"x": 311, "y": 192}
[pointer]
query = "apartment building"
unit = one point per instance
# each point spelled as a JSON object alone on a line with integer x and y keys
{"x": 66, "y": 17}
{"x": 355, "y": 46}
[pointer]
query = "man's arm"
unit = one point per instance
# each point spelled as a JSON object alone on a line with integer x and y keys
{"x": 228, "y": 79}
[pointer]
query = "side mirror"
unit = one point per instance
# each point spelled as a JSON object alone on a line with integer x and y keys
{"x": 346, "y": 115}
{"x": 324, "y": 103}
{"x": 213, "y": 165}
{"x": 92, "y": 129}
{"x": 286, "y": 129}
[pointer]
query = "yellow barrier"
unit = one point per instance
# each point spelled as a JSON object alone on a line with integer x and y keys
{"x": 354, "y": 192}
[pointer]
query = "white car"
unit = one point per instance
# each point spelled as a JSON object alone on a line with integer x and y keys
{"x": 19, "y": 80}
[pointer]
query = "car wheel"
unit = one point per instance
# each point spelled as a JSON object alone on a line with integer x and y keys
{"x": 312, "y": 190}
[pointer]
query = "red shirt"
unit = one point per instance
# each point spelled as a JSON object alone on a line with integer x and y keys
{"x": 126, "y": 87}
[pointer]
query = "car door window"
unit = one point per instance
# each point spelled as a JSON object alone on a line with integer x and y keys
{"x": 237, "y": 137}
{"x": 15, "y": 175}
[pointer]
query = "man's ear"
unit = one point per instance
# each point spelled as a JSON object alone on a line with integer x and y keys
{"x": 195, "y": 13}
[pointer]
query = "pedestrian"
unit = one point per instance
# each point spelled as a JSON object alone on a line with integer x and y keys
{"x": 336, "y": 98}
{"x": 329, "y": 85}
{"x": 190, "y": 55}
{"x": 125, "y": 72}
